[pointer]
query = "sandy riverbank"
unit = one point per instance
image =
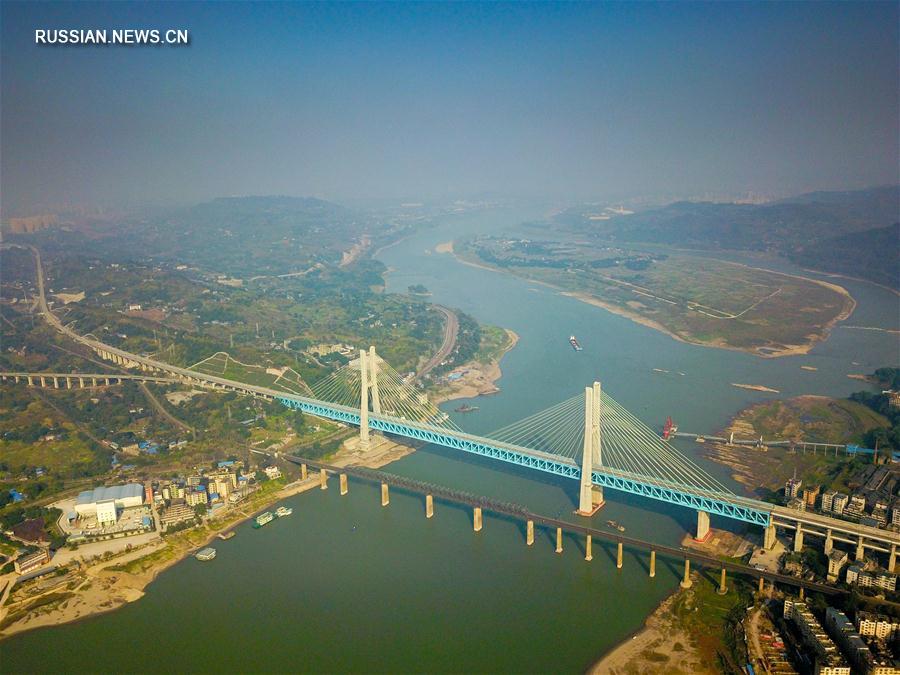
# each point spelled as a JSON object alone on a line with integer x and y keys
{"x": 477, "y": 379}
{"x": 661, "y": 646}
{"x": 763, "y": 352}
{"x": 103, "y": 586}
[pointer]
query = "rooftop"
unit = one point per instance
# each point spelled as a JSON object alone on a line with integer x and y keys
{"x": 112, "y": 492}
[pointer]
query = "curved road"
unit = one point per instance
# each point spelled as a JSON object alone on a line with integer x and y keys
{"x": 451, "y": 329}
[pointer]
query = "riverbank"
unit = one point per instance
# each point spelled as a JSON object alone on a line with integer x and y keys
{"x": 475, "y": 378}
{"x": 773, "y": 349}
{"x": 96, "y": 588}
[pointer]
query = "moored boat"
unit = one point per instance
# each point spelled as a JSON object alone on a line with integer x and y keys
{"x": 205, "y": 554}
{"x": 263, "y": 519}
{"x": 283, "y": 511}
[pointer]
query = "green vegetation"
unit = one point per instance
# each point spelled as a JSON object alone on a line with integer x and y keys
{"x": 887, "y": 435}
{"x": 697, "y": 299}
{"x": 714, "y": 621}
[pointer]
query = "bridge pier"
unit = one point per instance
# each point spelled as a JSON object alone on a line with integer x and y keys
{"x": 304, "y": 472}
{"x": 429, "y": 506}
{"x": 619, "y": 556}
{"x": 723, "y": 589}
{"x": 559, "y": 548}
{"x": 81, "y": 382}
{"x": 93, "y": 381}
{"x": 860, "y": 551}
{"x": 343, "y": 480}
{"x": 762, "y": 584}
{"x": 802, "y": 593}
{"x": 587, "y": 549}
{"x": 30, "y": 381}
{"x": 652, "y": 563}
{"x": 476, "y": 519}
{"x": 68, "y": 383}
{"x": 529, "y": 533}
{"x": 798, "y": 538}
{"x": 829, "y": 542}
{"x": 55, "y": 383}
{"x": 769, "y": 537}
{"x": 686, "y": 582}
{"x": 323, "y": 479}
{"x": 892, "y": 558}
{"x": 43, "y": 381}
{"x": 385, "y": 495}
{"x": 702, "y": 526}
{"x": 590, "y": 496}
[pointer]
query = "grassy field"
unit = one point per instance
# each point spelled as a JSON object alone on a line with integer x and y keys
{"x": 805, "y": 418}
{"x": 494, "y": 343}
{"x": 223, "y": 365}
{"x": 696, "y": 299}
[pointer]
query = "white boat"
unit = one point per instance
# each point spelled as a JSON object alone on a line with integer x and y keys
{"x": 205, "y": 554}
{"x": 283, "y": 511}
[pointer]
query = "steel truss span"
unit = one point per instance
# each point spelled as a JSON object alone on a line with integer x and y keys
{"x": 559, "y": 466}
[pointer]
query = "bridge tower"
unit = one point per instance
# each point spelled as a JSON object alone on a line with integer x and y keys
{"x": 590, "y": 497}
{"x": 363, "y": 401}
{"x": 373, "y": 381}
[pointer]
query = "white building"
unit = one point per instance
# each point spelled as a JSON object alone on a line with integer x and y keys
{"x": 104, "y": 502}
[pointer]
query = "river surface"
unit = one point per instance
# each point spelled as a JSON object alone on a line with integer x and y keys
{"x": 346, "y": 585}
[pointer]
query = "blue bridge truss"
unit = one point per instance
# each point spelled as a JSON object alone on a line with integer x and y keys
{"x": 730, "y": 506}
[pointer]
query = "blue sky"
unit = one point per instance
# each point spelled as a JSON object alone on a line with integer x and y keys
{"x": 419, "y": 101}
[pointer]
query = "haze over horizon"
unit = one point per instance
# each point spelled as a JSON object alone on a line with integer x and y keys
{"x": 344, "y": 102}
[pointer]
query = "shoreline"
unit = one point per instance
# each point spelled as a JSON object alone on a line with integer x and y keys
{"x": 479, "y": 379}
{"x": 787, "y": 350}
{"x": 102, "y": 588}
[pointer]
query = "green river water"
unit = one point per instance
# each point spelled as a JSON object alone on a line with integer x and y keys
{"x": 346, "y": 585}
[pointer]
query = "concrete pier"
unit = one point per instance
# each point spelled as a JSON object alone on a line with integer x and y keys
{"x": 892, "y": 558}
{"x": 762, "y": 584}
{"x": 385, "y": 495}
{"x": 81, "y": 382}
{"x": 829, "y": 542}
{"x": 429, "y": 506}
{"x": 559, "y": 548}
{"x": 686, "y": 582}
{"x": 798, "y": 538}
{"x": 587, "y": 549}
{"x": 702, "y": 526}
{"x": 619, "y": 556}
{"x": 68, "y": 383}
{"x": 343, "y": 479}
{"x": 652, "y": 564}
{"x": 802, "y": 594}
{"x": 723, "y": 589}
{"x": 323, "y": 480}
{"x": 55, "y": 383}
{"x": 30, "y": 381}
{"x": 476, "y": 519}
{"x": 769, "y": 537}
{"x": 304, "y": 472}
{"x": 860, "y": 551}
{"x": 43, "y": 381}
{"x": 529, "y": 532}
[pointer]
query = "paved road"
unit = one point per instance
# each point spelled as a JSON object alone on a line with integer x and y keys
{"x": 451, "y": 328}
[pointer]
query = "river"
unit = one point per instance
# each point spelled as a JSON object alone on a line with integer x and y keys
{"x": 346, "y": 585}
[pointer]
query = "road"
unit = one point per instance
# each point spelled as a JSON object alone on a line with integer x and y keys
{"x": 451, "y": 328}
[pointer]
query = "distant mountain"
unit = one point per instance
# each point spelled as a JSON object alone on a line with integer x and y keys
{"x": 873, "y": 254}
{"x": 815, "y": 228}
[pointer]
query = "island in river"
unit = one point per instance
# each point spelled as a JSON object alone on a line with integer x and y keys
{"x": 693, "y": 299}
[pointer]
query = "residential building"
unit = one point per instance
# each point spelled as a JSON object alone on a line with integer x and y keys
{"x": 176, "y": 514}
{"x": 836, "y": 561}
{"x": 844, "y": 633}
{"x": 197, "y": 495}
{"x": 272, "y": 472}
{"x": 828, "y": 500}
{"x": 883, "y": 580}
{"x": 839, "y": 503}
{"x": 31, "y": 561}
{"x": 878, "y": 626}
{"x": 827, "y": 656}
{"x": 792, "y": 488}
{"x": 810, "y": 495}
{"x": 895, "y": 514}
{"x": 856, "y": 507}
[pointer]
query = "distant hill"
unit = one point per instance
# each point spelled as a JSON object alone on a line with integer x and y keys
{"x": 830, "y": 231}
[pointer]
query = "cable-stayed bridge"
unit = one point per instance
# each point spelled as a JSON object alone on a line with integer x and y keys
{"x": 590, "y": 438}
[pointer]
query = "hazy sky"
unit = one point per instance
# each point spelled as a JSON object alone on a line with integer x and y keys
{"x": 436, "y": 100}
